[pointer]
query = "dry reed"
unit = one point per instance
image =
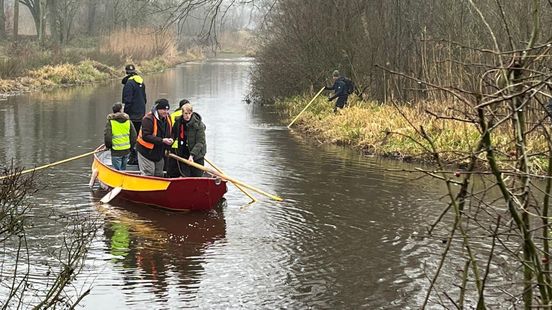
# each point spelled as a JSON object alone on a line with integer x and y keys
{"x": 384, "y": 130}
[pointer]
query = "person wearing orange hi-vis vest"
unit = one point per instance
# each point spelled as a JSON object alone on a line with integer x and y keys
{"x": 154, "y": 138}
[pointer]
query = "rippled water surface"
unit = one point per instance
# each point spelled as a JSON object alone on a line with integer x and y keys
{"x": 343, "y": 238}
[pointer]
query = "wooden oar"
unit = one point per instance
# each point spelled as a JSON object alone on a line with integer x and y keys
{"x": 237, "y": 185}
{"x": 111, "y": 194}
{"x": 225, "y": 177}
{"x": 312, "y": 100}
{"x": 51, "y": 165}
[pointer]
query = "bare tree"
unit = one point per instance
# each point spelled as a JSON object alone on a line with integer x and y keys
{"x": 493, "y": 79}
{"x": 62, "y": 15}
{"x": 38, "y": 11}
{"x": 15, "y": 19}
{"x": 2, "y": 20}
{"x": 19, "y": 270}
{"x": 91, "y": 18}
{"x": 310, "y": 39}
{"x": 502, "y": 226}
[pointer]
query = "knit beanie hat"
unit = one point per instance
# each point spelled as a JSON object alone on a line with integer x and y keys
{"x": 162, "y": 104}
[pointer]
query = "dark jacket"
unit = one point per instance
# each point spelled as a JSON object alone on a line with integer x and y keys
{"x": 163, "y": 131}
{"x": 194, "y": 137}
{"x": 340, "y": 88}
{"x": 134, "y": 96}
{"x": 108, "y": 136}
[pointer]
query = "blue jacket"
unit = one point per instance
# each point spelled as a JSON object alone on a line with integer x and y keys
{"x": 134, "y": 97}
{"x": 339, "y": 88}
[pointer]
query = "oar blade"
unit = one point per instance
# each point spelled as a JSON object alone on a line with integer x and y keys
{"x": 112, "y": 194}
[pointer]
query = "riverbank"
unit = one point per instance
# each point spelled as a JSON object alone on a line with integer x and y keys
{"x": 25, "y": 65}
{"x": 88, "y": 71}
{"x": 394, "y": 131}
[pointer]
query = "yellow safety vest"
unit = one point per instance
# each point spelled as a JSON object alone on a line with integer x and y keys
{"x": 174, "y": 116}
{"x": 138, "y": 79}
{"x": 120, "y": 135}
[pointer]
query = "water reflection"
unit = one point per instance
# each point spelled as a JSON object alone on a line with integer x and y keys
{"x": 158, "y": 249}
{"x": 343, "y": 237}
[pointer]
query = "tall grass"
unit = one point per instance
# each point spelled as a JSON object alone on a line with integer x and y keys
{"x": 384, "y": 129}
{"x": 27, "y": 65}
{"x": 83, "y": 72}
{"x": 138, "y": 45}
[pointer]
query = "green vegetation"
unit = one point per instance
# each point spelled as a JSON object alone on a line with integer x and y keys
{"x": 26, "y": 66}
{"x": 394, "y": 131}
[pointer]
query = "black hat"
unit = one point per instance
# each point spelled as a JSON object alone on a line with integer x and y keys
{"x": 161, "y": 104}
{"x": 130, "y": 69}
{"x": 181, "y": 103}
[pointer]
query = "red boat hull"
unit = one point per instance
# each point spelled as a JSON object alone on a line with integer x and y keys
{"x": 183, "y": 194}
{"x": 178, "y": 194}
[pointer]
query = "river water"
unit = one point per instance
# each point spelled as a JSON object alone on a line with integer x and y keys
{"x": 345, "y": 236}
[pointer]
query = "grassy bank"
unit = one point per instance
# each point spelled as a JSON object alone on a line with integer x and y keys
{"x": 394, "y": 131}
{"x": 83, "y": 72}
{"x": 26, "y": 66}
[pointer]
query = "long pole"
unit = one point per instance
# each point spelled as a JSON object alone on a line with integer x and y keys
{"x": 50, "y": 165}
{"x": 225, "y": 177}
{"x": 312, "y": 100}
{"x": 237, "y": 185}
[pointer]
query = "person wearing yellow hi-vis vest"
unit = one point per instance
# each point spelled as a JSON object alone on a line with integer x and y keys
{"x": 134, "y": 100}
{"x": 172, "y": 165}
{"x": 119, "y": 136}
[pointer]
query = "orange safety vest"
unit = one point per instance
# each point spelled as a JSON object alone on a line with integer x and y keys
{"x": 149, "y": 145}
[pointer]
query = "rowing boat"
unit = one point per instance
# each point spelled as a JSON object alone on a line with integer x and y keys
{"x": 178, "y": 194}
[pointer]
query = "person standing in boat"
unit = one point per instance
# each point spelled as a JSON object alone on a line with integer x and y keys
{"x": 119, "y": 135}
{"x": 134, "y": 98}
{"x": 154, "y": 138}
{"x": 172, "y": 164}
{"x": 189, "y": 132}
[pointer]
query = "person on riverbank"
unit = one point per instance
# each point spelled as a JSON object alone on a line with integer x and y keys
{"x": 172, "y": 164}
{"x": 119, "y": 135}
{"x": 154, "y": 138}
{"x": 189, "y": 132}
{"x": 340, "y": 91}
{"x": 134, "y": 99}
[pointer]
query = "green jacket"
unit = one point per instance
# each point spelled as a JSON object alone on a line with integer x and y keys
{"x": 194, "y": 137}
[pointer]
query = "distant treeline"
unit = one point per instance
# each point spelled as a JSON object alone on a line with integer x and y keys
{"x": 60, "y": 21}
{"x": 111, "y": 33}
{"x": 445, "y": 42}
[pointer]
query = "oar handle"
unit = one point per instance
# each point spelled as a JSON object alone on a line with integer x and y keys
{"x": 224, "y": 176}
{"x": 312, "y": 100}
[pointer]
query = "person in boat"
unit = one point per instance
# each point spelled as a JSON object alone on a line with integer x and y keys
{"x": 154, "y": 138}
{"x": 119, "y": 135}
{"x": 189, "y": 132}
{"x": 172, "y": 164}
{"x": 134, "y": 99}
